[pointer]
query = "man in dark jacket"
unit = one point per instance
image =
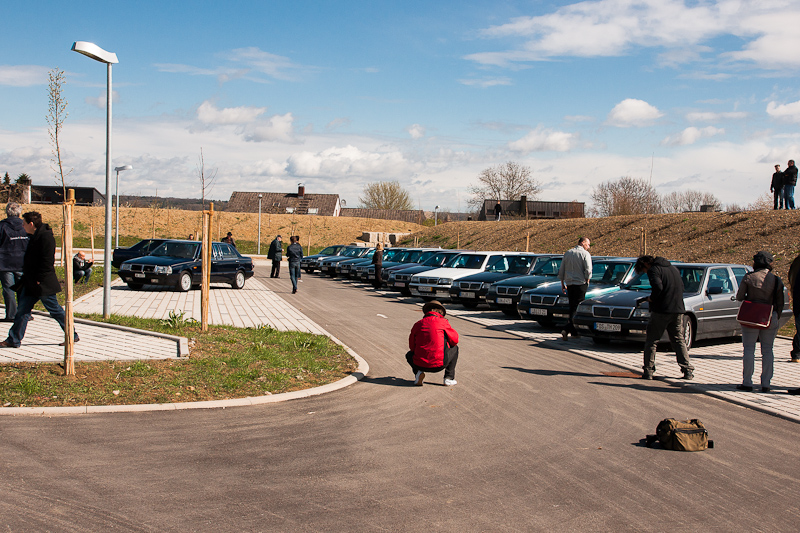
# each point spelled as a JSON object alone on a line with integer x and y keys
{"x": 776, "y": 188}
{"x": 13, "y": 241}
{"x": 433, "y": 345}
{"x": 275, "y": 253}
{"x": 666, "y": 313}
{"x": 294, "y": 253}
{"x": 39, "y": 280}
{"x": 81, "y": 268}
{"x": 789, "y": 181}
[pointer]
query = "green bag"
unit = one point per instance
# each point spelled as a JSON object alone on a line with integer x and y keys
{"x": 681, "y": 435}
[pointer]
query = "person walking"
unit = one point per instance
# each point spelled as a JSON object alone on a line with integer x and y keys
{"x": 498, "y": 210}
{"x": 275, "y": 253}
{"x": 760, "y": 286}
{"x": 789, "y": 182}
{"x": 294, "y": 253}
{"x": 574, "y": 273}
{"x": 13, "y": 242}
{"x": 81, "y": 268}
{"x": 39, "y": 280}
{"x": 377, "y": 260}
{"x": 776, "y": 188}
{"x": 666, "y": 313}
{"x": 229, "y": 239}
{"x": 794, "y": 285}
{"x": 433, "y": 345}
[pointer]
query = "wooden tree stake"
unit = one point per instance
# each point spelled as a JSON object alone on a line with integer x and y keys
{"x": 66, "y": 255}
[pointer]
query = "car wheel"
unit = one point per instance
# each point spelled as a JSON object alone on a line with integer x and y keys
{"x": 511, "y": 313}
{"x": 238, "y": 281}
{"x": 688, "y": 331}
{"x": 135, "y": 286}
{"x": 184, "y": 282}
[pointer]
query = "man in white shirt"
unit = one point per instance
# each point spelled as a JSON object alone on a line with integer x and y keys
{"x": 575, "y": 272}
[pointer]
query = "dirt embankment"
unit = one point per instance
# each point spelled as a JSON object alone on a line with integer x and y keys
{"x": 695, "y": 237}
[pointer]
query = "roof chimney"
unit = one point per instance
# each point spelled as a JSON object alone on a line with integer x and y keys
{"x": 301, "y": 190}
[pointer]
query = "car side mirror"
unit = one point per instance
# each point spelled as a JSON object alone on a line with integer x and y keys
{"x": 714, "y": 290}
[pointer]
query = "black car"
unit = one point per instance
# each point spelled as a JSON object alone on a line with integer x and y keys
{"x": 504, "y": 295}
{"x": 471, "y": 290}
{"x": 399, "y": 276}
{"x": 311, "y": 262}
{"x": 139, "y": 249}
{"x": 178, "y": 264}
{"x": 327, "y": 265}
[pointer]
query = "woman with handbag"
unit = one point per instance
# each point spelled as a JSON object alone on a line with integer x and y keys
{"x": 760, "y": 289}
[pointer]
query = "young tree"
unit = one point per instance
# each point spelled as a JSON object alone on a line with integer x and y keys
{"x": 56, "y": 115}
{"x": 386, "y": 195}
{"x": 508, "y": 181}
{"x": 6, "y": 179}
{"x": 206, "y": 179}
{"x": 625, "y": 196}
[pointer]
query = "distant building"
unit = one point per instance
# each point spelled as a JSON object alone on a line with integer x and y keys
{"x": 281, "y": 203}
{"x": 532, "y": 209}
{"x": 406, "y": 215}
{"x": 54, "y": 194}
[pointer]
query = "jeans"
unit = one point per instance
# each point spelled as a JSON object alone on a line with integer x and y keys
{"x": 294, "y": 273}
{"x": 788, "y": 196}
{"x": 777, "y": 199}
{"x": 767, "y": 338}
{"x": 81, "y": 275}
{"x": 673, "y": 324}
{"x": 449, "y": 367}
{"x": 576, "y": 294}
{"x": 26, "y": 303}
{"x": 8, "y": 279}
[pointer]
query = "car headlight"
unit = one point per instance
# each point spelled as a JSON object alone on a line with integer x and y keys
{"x": 487, "y": 286}
{"x": 414, "y": 279}
{"x": 584, "y": 309}
{"x": 162, "y": 270}
{"x": 641, "y": 313}
{"x": 445, "y": 281}
{"x": 563, "y": 300}
{"x": 125, "y": 266}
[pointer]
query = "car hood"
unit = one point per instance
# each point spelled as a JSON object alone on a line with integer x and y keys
{"x": 414, "y": 270}
{"x": 489, "y": 277}
{"x": 452, "y": 273}
{"x": 158, "y": 260}
{"x": 527, "y": 281}
{"x": 554, "y": 287}
{"x": 620, "y": 298}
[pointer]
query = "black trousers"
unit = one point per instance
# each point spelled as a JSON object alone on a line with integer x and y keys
{"x": 449, "y": 367}
{"x": 377, "y": 282}
{"x": 778, "y": 199}
{"x": 276, "y": 269}
{"x": 795, "y": 353}
{"x": 576, "y": 294}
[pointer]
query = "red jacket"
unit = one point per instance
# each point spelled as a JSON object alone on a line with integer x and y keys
{"x": 427, "y": 340}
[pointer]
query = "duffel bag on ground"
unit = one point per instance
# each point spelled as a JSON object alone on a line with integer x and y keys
{"x": 681, "y": 435}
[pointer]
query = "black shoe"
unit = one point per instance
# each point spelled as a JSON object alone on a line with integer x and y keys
{"x": 794, "y": 392}
{"x": 645, "y": 375}
{"x": 294, "y": 291}
{"x": 688, "y": 375}
{"x": 765, "y": 389}
{"x": 746, "y": 388}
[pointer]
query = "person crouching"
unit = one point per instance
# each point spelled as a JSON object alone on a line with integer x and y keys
{"x": 433, "y": 345}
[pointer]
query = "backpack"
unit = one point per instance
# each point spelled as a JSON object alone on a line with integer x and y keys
{"x": 681, "y": 435}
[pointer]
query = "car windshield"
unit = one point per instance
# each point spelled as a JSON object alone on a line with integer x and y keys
{"x": 611, "y": 273}
{"x": 469, "y": 261}
{"x": 412, "y": 257}
{"x": 692, "y": 280}
{"x": 515, "y": 264}
{"x": 439, "y": 259}
{"x": 353, "y": 252}
{"x": 547, "y": 267}
{"x": 393, "y": 255}
{"x": 181, "y": 250}
{"x": 330, "y": 250}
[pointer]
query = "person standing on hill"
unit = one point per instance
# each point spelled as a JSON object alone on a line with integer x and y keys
{"x": 13, "y": 242}
{"x": 666, "y": 313}
{"x": 294, "y": 253}
{"x": 574, "y": 273}
{"x": 498, "y": 210}
{"x": 776, "y": 188}
{"x": 275, "y": 254}
{"x": 789, "y": 181}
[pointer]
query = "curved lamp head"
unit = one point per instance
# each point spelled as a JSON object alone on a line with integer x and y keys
{"x": 123, "y": 167}
{"x": 94, "y": 51}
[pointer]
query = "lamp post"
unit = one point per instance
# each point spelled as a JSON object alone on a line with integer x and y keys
{"x": 259, "y": 223}
{"x": 93, "y": 51}
{"x": 116, "y": 230}
{"x": 435, "y": 215}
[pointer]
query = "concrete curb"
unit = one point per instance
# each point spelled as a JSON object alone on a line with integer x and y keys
{"x": 359, "y": 374}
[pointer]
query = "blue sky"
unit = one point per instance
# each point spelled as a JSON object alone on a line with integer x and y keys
{"x": 699, "y": 95}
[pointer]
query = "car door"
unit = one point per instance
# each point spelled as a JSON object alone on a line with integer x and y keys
{"x": 719, "y": 302}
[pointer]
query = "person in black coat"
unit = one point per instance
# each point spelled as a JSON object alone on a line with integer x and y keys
{"x": 294, "y": 253}
{"x": 275, "y": 253}
{"x": 666, "y": 313}
{"x": 776, "y": 188}
{"x": 377, "y": 260}
{"x": 789, "y": 182}
{"x": 39, "y": 280}
{"x": 13, "y": 242}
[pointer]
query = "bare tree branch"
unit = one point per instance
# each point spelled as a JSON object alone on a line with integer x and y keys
{"x": 508, "y": 181}
{"x": 386, "y": 195}
{"x": 206, "y": 180}
{"x": 57, "y": 114}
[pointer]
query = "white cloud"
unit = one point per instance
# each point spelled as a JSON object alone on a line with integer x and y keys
{"x": 691, "y": 135}
{"x": 416, "y": 131}
{"x": 274, "y": 66}
{"x": 335, "y": 124}
{"x": 23, "y": 75}
{"x": 278, "y": 128}
{"x": 708, "y": 116}
{"x": 99, "y": 101}
{"x": 790, "y": 112}
{"x": 208, "y": 113}
{"x": 485, "y": 82}
{"x": 348, "y": 161}
{"x": 633, "y": 112}
{"x": 544, "y": 140}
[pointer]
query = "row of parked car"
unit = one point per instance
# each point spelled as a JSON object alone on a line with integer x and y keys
{"x": 526, "y": 285}
{"x": 178, "y": 264}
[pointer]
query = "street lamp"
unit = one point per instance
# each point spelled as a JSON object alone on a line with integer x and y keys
{"x": 259, "y": 223}
{"x": 93, "y": 51}
{"x": 116, "y": 231}
{"x": 435, "y": 215}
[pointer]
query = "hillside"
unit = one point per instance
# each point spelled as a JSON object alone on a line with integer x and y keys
{"x": 696, "y": 237}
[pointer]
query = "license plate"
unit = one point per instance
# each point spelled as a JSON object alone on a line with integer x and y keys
{"x": 467, "y": 295}
{"x": 537, "y": 311}
{"x": 425, "y": 289}
{"x": 138, "y": 275}
{"x": 370, "y": 277}
{"x": 602, "y": 326}
{"x": 505, "y": 301}
{"x": 399, "y": 284}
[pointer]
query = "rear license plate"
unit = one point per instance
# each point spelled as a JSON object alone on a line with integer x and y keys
{"x": 370, "y": 277}
{"x": 602, "y": 326}
{"x": 537, "y": 311}
{"x": 399, "y": 284}
{"x": 138, "y": 275}
{"x": 467, "y": 295}
{"x": 505, "y": 301}
{"x": 425, "y": 289}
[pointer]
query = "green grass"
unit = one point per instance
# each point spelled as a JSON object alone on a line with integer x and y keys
{"x": 225, "y": 362}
